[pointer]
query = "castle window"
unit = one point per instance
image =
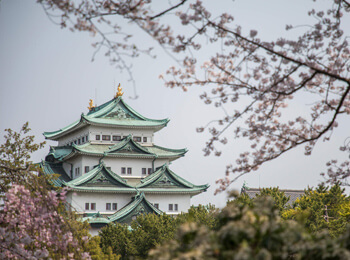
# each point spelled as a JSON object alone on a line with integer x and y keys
{"x": 87, "y": 168}
{"x": 75, "y": 142}
{"x": 137, "y": 138}
{"x": 93, "y": 206}
{"x": 129, "y": 170}
{"x": 143, "y": 171}
{"x": 115, "y": 206}
{"x": 149, "y": 170}
{"x": 86, "y": 206}
{"x": 145, "y": 139}
{"x": 98, "y": 137}
{"x": 83, "y": 139}
{"x": 156, "y": 205}
{"x": 117, "y": 138}
{"x": 175, "y": 207}
{"x": 171, "y": 206}
{"x": 123, "y": 170}
{"x": 79, "y": 141}
{"x": 87, "y": 138}
{"x": 77, "y": 171}
{"x": 106, "y": 137}
{"x": 108, "y": 206}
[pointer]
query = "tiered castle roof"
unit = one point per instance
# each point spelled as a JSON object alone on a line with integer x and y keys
{"x": 102, "y": 179}
{"x": 116, "y": 113}
{"x": 126, "y": 148}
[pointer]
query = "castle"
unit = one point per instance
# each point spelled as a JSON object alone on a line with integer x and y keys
{"x": 113, "y": 170}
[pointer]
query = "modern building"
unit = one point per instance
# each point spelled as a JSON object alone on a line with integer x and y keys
{"x": 112, "y": 167}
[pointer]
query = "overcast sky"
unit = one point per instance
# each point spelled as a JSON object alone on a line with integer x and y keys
{"x": 47, "y": 78}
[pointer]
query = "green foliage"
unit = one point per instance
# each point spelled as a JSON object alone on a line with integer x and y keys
{"x": 313, "y": 205}
{"x": 279, "y": 198}
{"x": 96, "y": 252}
{"x": 150, "y": 230}
{"x": 204, "y": 215}
{"x": 243, "y": 232}
{"x": 15, "y": 153}
{"x": 252, "y": 232}
{"x": 118, "y": 237}
{"x": 145, "y": 232}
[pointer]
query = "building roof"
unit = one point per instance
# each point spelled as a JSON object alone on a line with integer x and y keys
{"x": 96, "y": 218}
{"x": 165, "y": 180}
{"x": 292, "y": 194}
{"x": 100, "y": 178}
{"x": 55, "y": 168}
{"x": 115, "y": 113}
{"x": 126, "y": 148}
{"x": 138, "y": 205}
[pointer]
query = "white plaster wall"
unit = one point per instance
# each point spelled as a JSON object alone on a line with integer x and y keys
{"x": 77, "y": 162}
{"x": 98, "y": 130}
{"x": 160, "y": 162}
{"x": 68, "y": 168}
{"x": 71, "y": 137}
{"x": 136, "y": 164}
{"x": 90, "y": 161}
{"x": 183, "y": 201}
{"x": 78, "y": 200}
{"x": 92, "y": 131}
{"x": 115, "y": 163}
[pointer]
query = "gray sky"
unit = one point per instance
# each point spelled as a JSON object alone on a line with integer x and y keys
{"x": 47, "y": 78}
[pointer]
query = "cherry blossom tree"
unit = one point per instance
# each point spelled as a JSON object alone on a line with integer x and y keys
{"x": 32, "y": 228}
{"x": 264, "y": 78}
{"x": 34, "y": 221}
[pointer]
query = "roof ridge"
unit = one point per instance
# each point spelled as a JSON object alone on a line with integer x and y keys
{"x": 93, "y": 173}
{"x": 149, "y": 180}
{"x": 171, "y": 149}
{"x": 141, "y": 116}
{"x": 128, "y": 208}
{"x": 128, "y": 139}
{"x": 96, "y": 116}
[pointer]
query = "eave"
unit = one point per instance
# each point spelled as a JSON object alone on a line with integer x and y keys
{"x": 96, "y": 117}
{"x": 173, "y": 183}
{"x": 97, "y": 173}
{"x": 122, "y": 214}
{"x": 149, "y": 152}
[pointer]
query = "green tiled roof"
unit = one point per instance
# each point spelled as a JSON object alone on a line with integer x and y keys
{"x": 127, "y": 145}
{"x": 125, "y": 148}
{"x": 112, "y": 113}
{"x": 59, "y": 152}
{"x": 55, "y": 168}
{"x": 100, "y": 178}
{"x": 96, "y": 219}
{"x": 167, "y": 181}
{"x": 138, "y": 205}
